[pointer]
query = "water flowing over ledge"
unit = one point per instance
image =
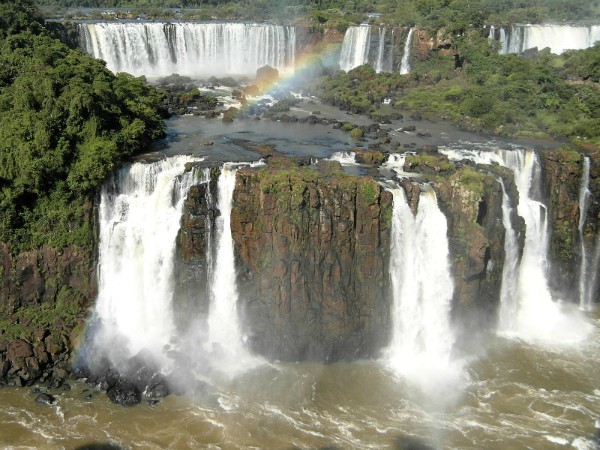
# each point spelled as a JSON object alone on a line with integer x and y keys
{"x": 136, "y": 313}
{"x": 386, "y": 49}
{"x": 540, "y": 317}
{"x": 558, "y": 38}
{"x": 422, "y": 337}
{"x": 158, "y": 49}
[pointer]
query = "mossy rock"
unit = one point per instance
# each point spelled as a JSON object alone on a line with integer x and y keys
{"x": 357, "y": 133}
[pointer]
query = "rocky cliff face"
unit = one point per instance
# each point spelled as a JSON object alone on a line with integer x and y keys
{"x": 313, "y": 243}
{"x": 313, "y": 251}
{"x": 44, "y": 294}
{"x": 192, "y": 274}
{"x": 561, "y": 180}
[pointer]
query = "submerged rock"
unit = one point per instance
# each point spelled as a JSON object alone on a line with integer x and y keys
{"x": 45, "y": 399}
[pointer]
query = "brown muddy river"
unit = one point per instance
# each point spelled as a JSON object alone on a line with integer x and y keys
{"x": 513, "y": 396}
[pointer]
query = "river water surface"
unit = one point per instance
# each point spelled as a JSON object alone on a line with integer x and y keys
{"x": 514, "y": 396}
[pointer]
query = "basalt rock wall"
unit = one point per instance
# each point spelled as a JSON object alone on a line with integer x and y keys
{"x": 313, "y": 256}
{"x": 561, "y": 181}
{"x": 44, "y": 294}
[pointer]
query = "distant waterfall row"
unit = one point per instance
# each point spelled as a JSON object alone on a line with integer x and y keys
{"x": 157, "y": 49}
{"x": 386, "y": 49}
{"x": 558, "y": 38}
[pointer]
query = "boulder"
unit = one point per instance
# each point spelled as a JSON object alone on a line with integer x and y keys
{"x": 123, "y": 393}
{"x": 45, "y": 399}
{"x": 19, "y": 348}
{"x": 266, "y": 75}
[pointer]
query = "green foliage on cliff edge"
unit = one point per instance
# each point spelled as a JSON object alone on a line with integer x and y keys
{"x": 542, "y": 96}
{"x": 67, "y": 122}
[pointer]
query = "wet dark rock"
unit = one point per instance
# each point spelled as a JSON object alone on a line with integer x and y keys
{"x": 123, "y": 393}
{"x": 66, "y": 387}
{"x": 407, "y": 128}
{"x": 152, "y": 401}
{"x": 55, "y": 383}
{"x": 88, "y": 397}
{"x": 45, "y": 399}
{"x": 160, "y": 390}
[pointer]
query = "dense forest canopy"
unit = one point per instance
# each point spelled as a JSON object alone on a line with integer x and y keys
{"x": 431, "y": 13}
{"x": 67, "y": 122}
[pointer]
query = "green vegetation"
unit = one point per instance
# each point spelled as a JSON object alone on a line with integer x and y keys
{"x": 453, "y": 15}
{"x": 67, "y": 122}
{"x": 57, "y": 317}
{"x": 541, "y": 96}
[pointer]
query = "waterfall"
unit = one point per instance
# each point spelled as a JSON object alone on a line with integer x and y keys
{"x": 405, "y": 64}
{"x": 344, "y": 158}
{"x": 509, "y": 298}
{"x": 380, "y": 51}
{"x": 558, "y": 38}
{"x": 355, "y": 48}
{"x": 225, "y": 337}
{"x": 422, "y": 286}
{"x": 157, "y": 49}
{"x": 363, "y": 46}
{"x": 539, "y": 316}
{"x": 140, "y": 209}
{"x": 585, "y": 287}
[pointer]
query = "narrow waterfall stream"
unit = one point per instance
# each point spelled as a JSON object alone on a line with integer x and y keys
{"x": 379, "y": 60}
{"x": 225, "y": 338}
{"x": 585, "y": 287}
{"x": 509, "y": 292}
{"x": 405, "y": 63}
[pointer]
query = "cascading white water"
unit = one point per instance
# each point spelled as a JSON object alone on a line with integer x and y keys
{"x": 558, "y": 38}
{"x": 355, "y": 48}
{"x": 157, "y": 49}
{"x": 224, "y": 328}
{"x": 509, "y": 291}
{"x": 380, "y": 51}
{"x": 422, "y": 286}
{"x": 405, "y": 64}
{"x": 539, "y": 316}
{"x": 344, "y": 158}
{"x": 140, "y": 210}
{"x": 585, "y": 287}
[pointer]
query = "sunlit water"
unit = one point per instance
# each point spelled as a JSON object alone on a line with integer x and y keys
{"x": 519, "y": 396}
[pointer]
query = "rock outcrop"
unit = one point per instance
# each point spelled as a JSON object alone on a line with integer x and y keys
{"x": 44, "y": 294}
{"x": 561, "y": 181}
{"x": 313, "y": 249}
